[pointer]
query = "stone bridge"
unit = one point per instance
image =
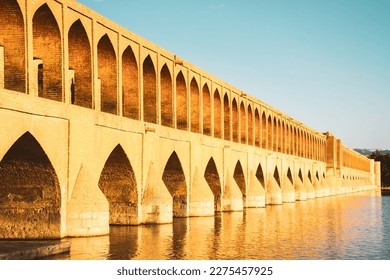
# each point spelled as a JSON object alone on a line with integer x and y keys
{"x": 99, "y": 126}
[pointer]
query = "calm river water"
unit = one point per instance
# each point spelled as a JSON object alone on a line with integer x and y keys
{"x": 352, "y": 226}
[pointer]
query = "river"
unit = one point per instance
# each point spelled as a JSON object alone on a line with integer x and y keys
{"x": 351, "y": 226}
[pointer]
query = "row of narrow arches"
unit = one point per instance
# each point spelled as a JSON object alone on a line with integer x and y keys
{"x": 29, "y": 183}
{"x": 161, "y": 97}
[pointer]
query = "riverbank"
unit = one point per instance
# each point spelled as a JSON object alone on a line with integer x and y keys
{"x": 32, "y": 249}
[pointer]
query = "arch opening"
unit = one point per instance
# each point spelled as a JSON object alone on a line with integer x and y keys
{"x": 80, "y": 62}
{"x": 243, "y": 125}
{"x": 47, "y": 47}
{"x": 217, "y": 115}
{"x": 30, "y": 194}
{"x": 149, "y": 91}
{"x": 300, "y": 175}
{"x": 276, "y": 176}
{"x": 195, "y": 106}
{"x": 235, "y": 122}
{"x": 257, "y": 129}
{"x": 175, "y": 181}
{"x": 212, "y": 178}
{"x": 250, "y": 126}
{"x": 107, "y": 75}
{"x": 289, "y": 176}
{"x": 181, "y": 102}
{"x": 206, "y": 111}
{"x": 118, "y": 184}
{"x": 11, "y": 18}
{"x": 226, "y": 117}
{"x": 166, "y": 97}
{"x": 239, "y": 177}
{"x": 263, "y": 131}
{"x": 130, "y": 87}
{"x": 260, "y": 175}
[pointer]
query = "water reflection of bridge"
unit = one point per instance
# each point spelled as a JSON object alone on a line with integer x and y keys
{"x": 99, "y": 126}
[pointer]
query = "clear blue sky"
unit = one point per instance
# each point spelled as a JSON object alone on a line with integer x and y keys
{"x": 325, "y": 63}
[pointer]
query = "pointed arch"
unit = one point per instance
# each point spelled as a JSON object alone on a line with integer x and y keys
{"x": 130, "y": 85}
{"x": 149, "y": 90}
{"x": 206, "y": 110}
{"x": 250, "y": 126}
{"x": 260, "y": 175}
{"x": 118, "y": 183}
{"x": 277, "y": 176}
{"x": 212, "y": 178}
{"x": 275, "y": 135}
{"x": 300, "y": 175}
{"x": 257, "y": 129}
{"x": 263, "y": 131}
{"x": 181, "y": 102}
{"x": 11, "y": 18}
{"x": 309, "y": 176}
{"x": 217, "y": 115}
{"x": 283, "y": 137}
{"x": 175, "y": 181}
{"x": 47, "y": 47}
{"x": 243, "y": 125}
{"x": 80, "y": 61}
{"x": 269, "y": 133}
{"x": 107, "y": 73}
{"x": 226, "y": 117}
{"x": 239, "y": 177}
{"x": 289, "y": 176}
{"x": 279, "y": 137}
{"x": 30, "y": 193}
{"x": 166, "y": 97}
{"x": 235, "y": 122}
{"x": 195, "y": 106}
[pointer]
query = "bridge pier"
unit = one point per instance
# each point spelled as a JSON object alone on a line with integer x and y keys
{"x": 256, "y": 195}
{"x": 232, "y": 198}
{"x": 156, "y": 202}
{"x": 273, "y": 192}
{"x": 300, "y": 190}
{"x": 310, "y": 193}
{"x": 201, "y": 197}
{"x": 88, "y": 210}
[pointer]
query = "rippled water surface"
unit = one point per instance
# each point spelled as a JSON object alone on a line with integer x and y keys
{"x": 352, "y": 226}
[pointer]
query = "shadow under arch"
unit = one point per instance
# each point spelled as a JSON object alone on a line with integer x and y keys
{"x": 212, "y": 178}
{"x": 175, "y": 181}
{"x": 118, "y": 184}
{"x": 30, "y": 193}
{"x": 239, "y": 177}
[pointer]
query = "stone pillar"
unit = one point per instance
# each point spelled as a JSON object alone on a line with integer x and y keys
{"x": 256, "y": 195}
{"x": 232, "y": 198}
{"x": 273, "y": 193}
{"x": 309, "y": 188}
{"x": 201, "y": 197}
{"x": 288, "y": 192}
{"x": 88, "y": 208}
{"x": 1, "y": 67}
{"x": 156, "y": 202}
{"x": 300, "y": 190}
